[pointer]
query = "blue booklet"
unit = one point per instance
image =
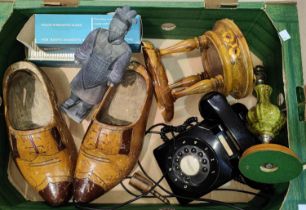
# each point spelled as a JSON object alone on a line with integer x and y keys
{"x": 69, "y": 31}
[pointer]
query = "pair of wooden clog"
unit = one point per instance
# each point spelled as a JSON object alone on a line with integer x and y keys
{"x": 43, "y": 147}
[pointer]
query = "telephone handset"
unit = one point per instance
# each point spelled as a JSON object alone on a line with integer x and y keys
{"x": 215, "y": 107}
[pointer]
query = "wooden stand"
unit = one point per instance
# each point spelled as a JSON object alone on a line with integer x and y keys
{"x": 226, "y": 60}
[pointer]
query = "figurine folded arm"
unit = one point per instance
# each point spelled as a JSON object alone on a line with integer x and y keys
{"x": 119, "y": 67}
{"x": 83, "y": 53}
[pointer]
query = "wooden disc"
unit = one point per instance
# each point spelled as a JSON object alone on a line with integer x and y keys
{"x": 157, "y": 71}
{"x": 270, "y": 163}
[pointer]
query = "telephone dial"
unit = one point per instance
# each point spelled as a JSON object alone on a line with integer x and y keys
{"x": 204, "y": 156}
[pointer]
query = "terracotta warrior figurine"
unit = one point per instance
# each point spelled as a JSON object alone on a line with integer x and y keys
{"x": 104, "y": 57}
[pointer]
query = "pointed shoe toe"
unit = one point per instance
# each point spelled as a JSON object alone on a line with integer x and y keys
{"x": 86, "y": 191}
{"x": 113, "y": 141}
{"x": 41, "y": 144}
{"x": 56, "y": 194}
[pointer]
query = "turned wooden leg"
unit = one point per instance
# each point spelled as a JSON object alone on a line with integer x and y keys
{"x": 185, "y": 46}
{"x": 188, "y": 81}
{"x": 202, "y": 87}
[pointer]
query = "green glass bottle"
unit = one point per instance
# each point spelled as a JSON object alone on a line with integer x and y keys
{"x": 265, "y": 119}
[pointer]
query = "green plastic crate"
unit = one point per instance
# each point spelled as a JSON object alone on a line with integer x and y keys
{"x": 259, "y": 22}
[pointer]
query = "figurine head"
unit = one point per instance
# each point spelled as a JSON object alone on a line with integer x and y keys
{"x": 121, "y": 23}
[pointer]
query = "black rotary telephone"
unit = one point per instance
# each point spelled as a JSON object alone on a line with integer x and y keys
{"x": 204, "y": 156}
